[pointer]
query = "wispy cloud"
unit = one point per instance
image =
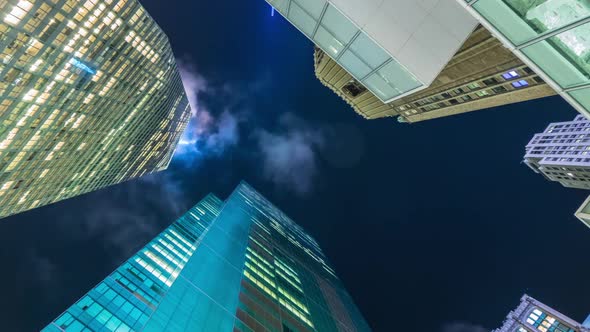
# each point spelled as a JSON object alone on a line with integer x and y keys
{"x": 463, "y": 327}
{"x": 206, "y": 133}
{"x": 290, "y": 154}
{"x": 39, "y": 267}
{"x": 194, "y": 83}
{"x": 126, "y": 216}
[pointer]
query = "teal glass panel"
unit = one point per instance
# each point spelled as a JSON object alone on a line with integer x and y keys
{"x": 301, "y": 19}
{"x": 313, "y": 7}
{"x": 281, "y": 5}
{"x": 522, "y": 20}
{"x": 328, "y": 42}
{"x": 391, "y": 81}
{"x": 582, "y": 96}
{"x": 354, "y": 65}
{"x": 371, "y": 53}
{"x": 339, "y": 25}
{"x": 380, "y": 87}
{"x": 564, "y": 57}
{"x": 397, "y": 76}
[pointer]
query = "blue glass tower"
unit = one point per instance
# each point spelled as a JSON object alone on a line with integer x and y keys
{"x": 238, "y": 265}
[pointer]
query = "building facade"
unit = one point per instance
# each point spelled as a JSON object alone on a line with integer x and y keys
{"x": 238, "y": 265}
{"x": 392, "y": 47}
{"x": 90, "y": 96}
{"x": 482, "y": 74}
{"x": 562, "y": 153}
{"x": 583, "y": 214}
{"x": 534, "y": 316}
{"x": 551, "y": 37}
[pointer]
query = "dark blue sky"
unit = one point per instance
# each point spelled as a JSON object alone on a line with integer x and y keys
{"x": 428, "y": 225}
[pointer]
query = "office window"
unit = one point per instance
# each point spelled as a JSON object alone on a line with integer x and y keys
{"x": 482, "y": 93}
{"x": 353, "y": 88}
{"x": 474, "y": 86}
{"x": 490, "y": 81}
{"x": 499, "y": 89}
{"x": 510, "y": 75}
{"x": 520, "y": 84}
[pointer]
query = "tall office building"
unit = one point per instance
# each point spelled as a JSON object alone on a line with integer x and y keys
{"x": 562, "y": 153}
{"x": 238, "y": 265}
{"x": 534, "y": 316}
{"x": 482, "y": 74}
{"x": 549, "y": 36}
{"x": 90, "y": 96}
{"x": 394, "y": 48}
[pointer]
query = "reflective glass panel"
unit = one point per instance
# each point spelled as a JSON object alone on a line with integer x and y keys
{"x": 379, "y": 86}
{"x": 564, "y": 57}
{"x": 302, "y": 19}
{"x": 398, "y": 77}
{"x": 339, "y": 25}
{"x": 370, "y": 52}
{"x": 328, "y": 42}
{"x": 522, "y": 20}
{"x": 583, "y": 97}
{"x": 313, "y": 7}
{"x": 281, "y": 5}
{"x": 354, "y": 65}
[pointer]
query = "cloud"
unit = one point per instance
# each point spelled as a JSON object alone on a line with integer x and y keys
{"x": 194, "y": 83}
{"x": 39, "y": 267}
{"x": 289, "y": 154}
{"x": 222, "y": 119}
{"x": 225, "y": 133}
{"x": 126, "y": 216}
{"x": 463, "y": 327}
{"x": 206, "y": 133}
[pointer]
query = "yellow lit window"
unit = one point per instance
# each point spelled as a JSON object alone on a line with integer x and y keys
{"x": 18, "y": 12}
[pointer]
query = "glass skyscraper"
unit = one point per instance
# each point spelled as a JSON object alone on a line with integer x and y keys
{"x": 90, "y": 96}
{"x": 551, "y": 36}
{"x": 482, "y": 74}
{"x": 238, "y": 265}
{"x": 392, "y": 48}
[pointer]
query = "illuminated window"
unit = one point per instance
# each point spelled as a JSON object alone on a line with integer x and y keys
{"x": 520, "y": 84}
{"x": 18, "y": 12}
{"x": 510, "y": 75}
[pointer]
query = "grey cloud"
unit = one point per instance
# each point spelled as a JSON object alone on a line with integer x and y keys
{"x": 206, "y": 133}
{"x": 39, "y": 266}
{"x": 194, "y": 83}
{"x": 289, "y": 155}
{"x": 119, "y": 216}
{"x": 225, "y": 133}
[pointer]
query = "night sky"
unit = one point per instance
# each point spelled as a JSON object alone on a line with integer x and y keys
{"x": 435, "y": 226}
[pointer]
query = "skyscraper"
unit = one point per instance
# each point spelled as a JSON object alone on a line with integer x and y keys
{"x": 393, "y": 48}
{"x": 482, "y": 74}
{"x": 562, "y": 153}
{"x": 90, "y": 96}
{"x": 551, "y": 37}
{"x": 583, "y": 214}
{"x": 533, "y": 316}
{"x": 238, "y": 265}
